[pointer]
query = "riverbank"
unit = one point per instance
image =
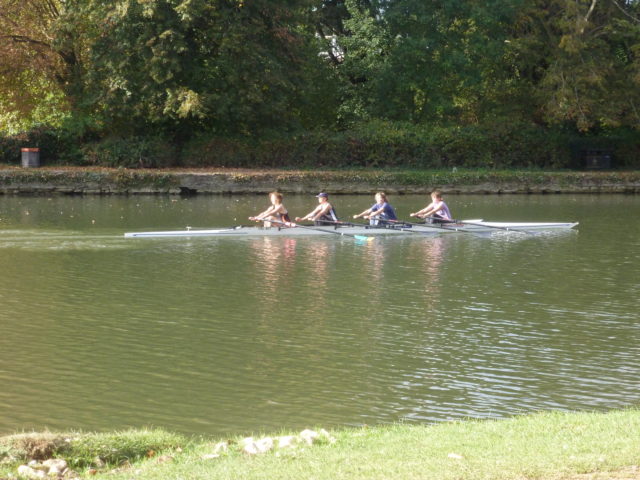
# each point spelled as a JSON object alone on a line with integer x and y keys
{"x": 555, "y": 445}
{"x": 93, "y": 180}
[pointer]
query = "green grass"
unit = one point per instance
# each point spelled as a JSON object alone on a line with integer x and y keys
{"x": 83, "y": 450}
{"x": 540, "y": 446}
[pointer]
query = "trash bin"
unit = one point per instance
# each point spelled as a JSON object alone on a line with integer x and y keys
{"x": 30, "y": 157}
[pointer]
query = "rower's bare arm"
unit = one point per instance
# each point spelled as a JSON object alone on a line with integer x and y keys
{"x": 362, "y": 213}
{"x": 321, "y": 210}
{"x": 375, "y": 213}
{"x": 420, "y": 213}
{"x": 309, "y": 216}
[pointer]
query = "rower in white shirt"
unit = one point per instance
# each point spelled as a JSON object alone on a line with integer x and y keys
{"x": 436, "y": 212}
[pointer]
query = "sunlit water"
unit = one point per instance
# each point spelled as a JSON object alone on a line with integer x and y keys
{"x": 219, "y": 336}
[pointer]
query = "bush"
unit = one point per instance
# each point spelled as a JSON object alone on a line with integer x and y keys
{"x": 130, "y": 152}
{"x": 623, "y": 144}
{"x": 56, "y": 146}
{"x": 391, "y": 144}
{"x": 216, "y": 152}
{"x": 10, "y": 149}
{"x": 377, "y": 144}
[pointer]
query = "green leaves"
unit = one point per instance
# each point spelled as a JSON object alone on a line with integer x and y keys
{"x": 271, "y": 67}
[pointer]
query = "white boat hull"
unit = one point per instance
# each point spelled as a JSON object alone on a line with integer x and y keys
{"x": 350, "y": 231}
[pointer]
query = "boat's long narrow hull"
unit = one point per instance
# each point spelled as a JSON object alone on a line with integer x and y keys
{"x": 508, "y": 226}
{"x": 355, "y": 230}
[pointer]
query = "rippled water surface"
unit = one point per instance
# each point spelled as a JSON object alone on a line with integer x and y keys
{"x": 220, "y": 336}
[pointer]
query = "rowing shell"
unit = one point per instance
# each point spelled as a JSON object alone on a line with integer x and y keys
{"x": 241, "y": 231}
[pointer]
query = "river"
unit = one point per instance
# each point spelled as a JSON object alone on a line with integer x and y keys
{"x": 233, "y": 336}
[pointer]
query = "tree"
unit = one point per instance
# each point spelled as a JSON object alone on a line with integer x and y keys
{"x": 579, "y": 61}
{"x": 232, "y": 67}
{"x": 33, "y": 69}
{"x": 435, "y": 62}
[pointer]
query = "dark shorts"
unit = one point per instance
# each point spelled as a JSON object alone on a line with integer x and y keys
{"x": 436, "y": 219}
{"x": 325, "y": 220}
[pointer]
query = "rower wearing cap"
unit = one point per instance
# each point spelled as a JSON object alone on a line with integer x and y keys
{"x": 323, "y": 214}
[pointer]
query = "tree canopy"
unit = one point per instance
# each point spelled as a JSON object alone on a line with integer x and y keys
{"x": 267, "y": 67}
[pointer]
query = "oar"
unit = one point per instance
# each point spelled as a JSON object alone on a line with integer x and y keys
{"x": 295, "y": 225}
{"x": 426, "y": 225}
{"x": 444, "y": 222}
{"x": 394, "y": 224}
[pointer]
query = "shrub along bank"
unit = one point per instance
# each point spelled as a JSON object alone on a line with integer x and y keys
{"x": 93, "y": 180}
{"x": 543, "y": 446}
{"x": 376, "y": 144}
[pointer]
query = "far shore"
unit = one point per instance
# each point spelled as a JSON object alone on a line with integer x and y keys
{"x": 47, "y": 180}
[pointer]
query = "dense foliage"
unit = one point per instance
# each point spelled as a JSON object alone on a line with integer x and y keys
{"x": 332, "y": 82}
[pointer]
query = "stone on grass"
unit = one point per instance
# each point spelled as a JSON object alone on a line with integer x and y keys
{"x": 210, "y": 456}
{"x": 254, "y": 447}
{"x": 25, "y": 471}
{"x": 326, "y": 436}
{"x": 249, "y": 446}
{"x": 309, "y": 436}
{"x": 55, "y": 466}
{"x": 264, "y": 444}
{"x": 221, "y": 447}
{"x": 287, "y": 441}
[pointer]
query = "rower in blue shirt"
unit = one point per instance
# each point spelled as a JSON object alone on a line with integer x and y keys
{"x": 380, "y": 213}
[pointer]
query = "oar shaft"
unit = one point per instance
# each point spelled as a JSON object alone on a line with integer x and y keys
{"x": 295, "y": 225}
{"x": 444, "y": 222}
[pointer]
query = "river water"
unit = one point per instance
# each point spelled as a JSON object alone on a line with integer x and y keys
{"x": 232, "y": 336}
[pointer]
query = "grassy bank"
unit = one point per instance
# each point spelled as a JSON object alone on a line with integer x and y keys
{"x": 93, "y": 180}
{"x": 542, "y": 446}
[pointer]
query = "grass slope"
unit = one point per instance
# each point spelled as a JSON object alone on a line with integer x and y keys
{"x": 539, "y": 446}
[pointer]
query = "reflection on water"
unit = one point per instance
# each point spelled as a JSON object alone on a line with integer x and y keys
{"x": 222, "y": 336}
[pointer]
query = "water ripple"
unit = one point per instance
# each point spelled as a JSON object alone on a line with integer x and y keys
{"x": 220, "y": 336}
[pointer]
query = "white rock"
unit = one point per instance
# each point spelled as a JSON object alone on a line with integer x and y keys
{"x": 264, "y": 444}
{"x": 221, "y": 447}
{"x": 455, "y": 456}
{"x": 246, "y": 441}
{"x": 249, "y": 446}
{"x": 287, "y": 441}
{"x": 57, "y": 463}
{"x": 309, "y": 436}
{"x": 28, "y": 472}
{"x": 250, "y": 449}
{"x": 54, "y": 467}
{"x": 210, "y": 456}
{"x": 326, "y": 436}
{"x": 25, "y": 470}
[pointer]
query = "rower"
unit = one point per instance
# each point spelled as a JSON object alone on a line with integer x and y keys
{"x": 323, "y": 214}
{"x": 380, "y": 212}
{"x": 436, "y": 212}
{"x": 277, "y": 212}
